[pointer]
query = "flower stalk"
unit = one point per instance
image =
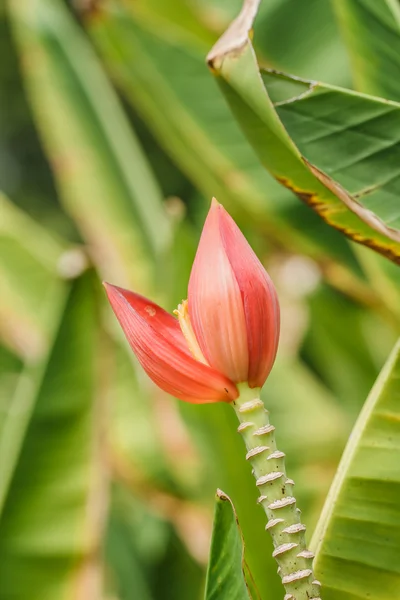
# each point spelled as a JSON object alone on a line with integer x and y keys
{"x": 276, "y": 497}
{"x": 227, "y": 333}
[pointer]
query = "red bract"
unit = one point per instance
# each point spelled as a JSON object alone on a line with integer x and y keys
{"x": 230, "y": 323}
{"x": 156, "y": 339}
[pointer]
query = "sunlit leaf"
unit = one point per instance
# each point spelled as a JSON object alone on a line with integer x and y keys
{"x": 357, "y": 540}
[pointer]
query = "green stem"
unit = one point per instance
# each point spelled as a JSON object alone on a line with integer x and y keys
{"x": 276, "y": 497}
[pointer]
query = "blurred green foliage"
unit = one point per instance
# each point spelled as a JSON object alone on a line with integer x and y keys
{"x": 113, "y": 139}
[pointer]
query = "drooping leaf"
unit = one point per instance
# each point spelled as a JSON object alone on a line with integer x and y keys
{"x": 51, "y": 482}
{"x": 371, "y": 29}
{"x": 102, "y": 176}
{"x": 225, "y": 575}
{"x": 233, "y": 61}
{"x": 357, "y": 540}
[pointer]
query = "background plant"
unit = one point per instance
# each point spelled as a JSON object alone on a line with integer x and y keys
{"x": 115, "y": 137}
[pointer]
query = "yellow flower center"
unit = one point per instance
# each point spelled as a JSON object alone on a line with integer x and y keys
{"x": 182, "y": 313}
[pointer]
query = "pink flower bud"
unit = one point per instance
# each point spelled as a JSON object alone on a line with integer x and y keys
{"x": 228, "y": 330}
{"x": 233, "y": 305}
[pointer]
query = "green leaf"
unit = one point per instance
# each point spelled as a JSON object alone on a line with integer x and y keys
{"x": 353, "y": 138}
{"x": 31, "y": 268}
{"x": 233, "y": 60}
{"x": 51, "y": 485}
{"x": 225, "y": 576}
{"x": 103, "y": 178}
{"x": 357, "y": 540}
{"x": 371, "y": 29}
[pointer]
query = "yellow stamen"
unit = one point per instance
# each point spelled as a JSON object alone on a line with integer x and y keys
{"x": 182, "y": 313}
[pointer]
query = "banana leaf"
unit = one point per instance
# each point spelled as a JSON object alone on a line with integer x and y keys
{"x": 357, "y": 541}
{"x": 348, "y": 198}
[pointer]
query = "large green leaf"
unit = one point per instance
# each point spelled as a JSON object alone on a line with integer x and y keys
{"x": 233, "y": 61}
{"x": 51, "y": 485}
{"x": 225, "y": 575}
{"x": 102, "y": 175}
{"x": 357, "y": 540}
{"x": 371, "y": 29}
